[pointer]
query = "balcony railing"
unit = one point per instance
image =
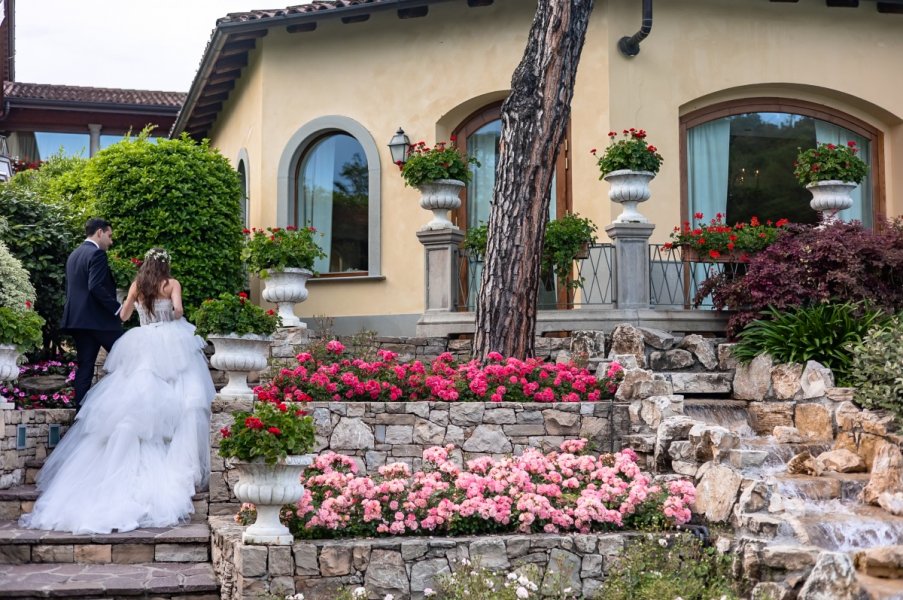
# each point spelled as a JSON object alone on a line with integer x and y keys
{"x": 593, "y": 274}
{"x": 673, "y": 280}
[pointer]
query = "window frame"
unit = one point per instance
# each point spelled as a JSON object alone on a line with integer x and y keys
{"x": 242, "y": 167}
{"x": 731, "y": 108}
{"x": 287, "y": 186}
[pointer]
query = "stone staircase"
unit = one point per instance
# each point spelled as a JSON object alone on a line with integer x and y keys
{"x": 159, "y": 564}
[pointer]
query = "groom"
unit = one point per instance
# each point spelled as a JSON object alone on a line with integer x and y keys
{"x": 91, "y": 312}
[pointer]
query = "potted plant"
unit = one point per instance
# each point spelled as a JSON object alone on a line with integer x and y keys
{"x": 20, "y": 331}
{"x": 717, "y": 242}
{"x": 241, "y": 332}
{"x": 830, "y": 172}
{"x": 440, "y": 173}
{"x": 284, "y": 258}
{"x": 269, "y": 447}
{"x": 566, "y": 240}
{"x": 124, "y": 271}
{"x": 629, "y": 164}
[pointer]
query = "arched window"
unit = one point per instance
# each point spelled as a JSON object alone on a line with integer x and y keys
{"x": 739, "y": 155}
{"x": 332, "y": 183}
{"x": 479, "y": 136}
{"x": 245, "y": 201}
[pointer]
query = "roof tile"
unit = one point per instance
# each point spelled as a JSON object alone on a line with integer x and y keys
{"x": 71, "y": 93}
{"x": 315, "y": 6}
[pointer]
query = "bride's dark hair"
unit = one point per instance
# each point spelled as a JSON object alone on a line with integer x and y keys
{"x": 152, "y": 275}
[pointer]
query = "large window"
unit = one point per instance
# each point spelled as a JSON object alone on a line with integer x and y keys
{"x": 243, "y": 182}
{"x": 739, "y": 161}
{"x": 332, "y": 184}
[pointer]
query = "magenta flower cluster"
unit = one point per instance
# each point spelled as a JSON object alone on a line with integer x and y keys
{"x": 533, "y": 492}
{"x": 339, "y": 378}
{"x": 60, "y": 399}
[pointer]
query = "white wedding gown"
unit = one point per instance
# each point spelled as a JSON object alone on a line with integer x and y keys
{"x": 139, "y": 447}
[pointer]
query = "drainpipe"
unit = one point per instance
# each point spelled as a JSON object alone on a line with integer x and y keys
{"x": 630, "y": 46}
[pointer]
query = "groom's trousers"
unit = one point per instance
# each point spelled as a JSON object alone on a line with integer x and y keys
{"x": 88, "y": 343}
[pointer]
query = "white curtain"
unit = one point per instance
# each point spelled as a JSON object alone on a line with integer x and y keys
{"x": 828, "y": 133}
{"x": 708, "y": 146}
{"x": 317, "y": 177}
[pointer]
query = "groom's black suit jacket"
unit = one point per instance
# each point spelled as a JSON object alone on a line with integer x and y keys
{"x": 90, "y": 291}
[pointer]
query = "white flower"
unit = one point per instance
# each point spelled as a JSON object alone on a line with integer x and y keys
{"x": 429, "y": 592}
{"x": 522, "y": 592}
{"x": 523, "y": 580}
{"x": 464, "y": 561}
{"x": 490, "y": 584}
{"x": 532, "y": 586}
{"x": 359, "y": 593}
{"x": 389, "y": 597}
{"x": 568, "y": 590}
{"x": 295, "y": 597}
{"x": 663, "y": 542}
{"x": 512, "y": 576}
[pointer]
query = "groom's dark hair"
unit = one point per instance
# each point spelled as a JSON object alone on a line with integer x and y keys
{"x": 94, "y": 224}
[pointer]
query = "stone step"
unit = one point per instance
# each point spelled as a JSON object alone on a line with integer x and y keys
{"x": 877, "y": 588}
{"x": 189, "y": 543}
{"x": 160, "y": 582}
{"x": 841, "y": 486}
{"x": 16, "y": 501}
{"x": 703, "y": 383}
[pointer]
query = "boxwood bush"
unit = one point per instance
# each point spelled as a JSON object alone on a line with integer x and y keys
{"x": 38, "y": 235}
{"x": 177, "y": 194}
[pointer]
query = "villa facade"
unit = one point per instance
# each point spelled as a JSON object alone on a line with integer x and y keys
{"x": 305, "y": 100}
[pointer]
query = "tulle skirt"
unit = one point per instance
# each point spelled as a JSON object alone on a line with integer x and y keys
{"x": 139, "y": 447}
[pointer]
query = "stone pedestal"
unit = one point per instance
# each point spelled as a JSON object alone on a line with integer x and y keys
{"x": 631, "y": 268}
{"x": 440, "y": 268}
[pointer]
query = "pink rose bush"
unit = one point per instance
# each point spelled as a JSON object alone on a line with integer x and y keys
{"x": 336, "y": 377}
{"x": 535, "y": 492}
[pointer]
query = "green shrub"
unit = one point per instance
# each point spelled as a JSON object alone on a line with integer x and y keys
{"x": 876, "y": 367}
{"x": 38, "y": 235}
{"x": 231, "y": 313}
{"x": 659, "y": 567}
{"x": 821, "y": 333}
{"x": 59, "y": 182}
{"x": 15, "y": 287}
{"x": 277, "y": 248}
{"x": 178, "y": 194}
{"x": 21, "y": 327}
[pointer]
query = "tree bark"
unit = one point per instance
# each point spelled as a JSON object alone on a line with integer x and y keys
{"x": 534, "y": 121}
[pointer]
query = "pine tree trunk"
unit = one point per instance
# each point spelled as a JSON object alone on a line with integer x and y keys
{"x": 534, "y": 121}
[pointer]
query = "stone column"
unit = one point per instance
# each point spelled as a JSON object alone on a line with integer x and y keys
{"x": 631, "y": 268}
{"x": 94, "y": 145}
{"x": 441, "y": 268}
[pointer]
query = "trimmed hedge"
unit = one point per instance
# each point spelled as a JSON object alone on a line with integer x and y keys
{"x": 177, "y": 194}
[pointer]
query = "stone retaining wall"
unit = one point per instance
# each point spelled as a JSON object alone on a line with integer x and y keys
{"x": 403, "y": 567}
{"x": 384, "y": 432}
{"x": 20, "y": 466}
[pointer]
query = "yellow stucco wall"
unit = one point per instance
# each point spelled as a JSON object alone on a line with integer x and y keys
{"x": 428, "y": 74}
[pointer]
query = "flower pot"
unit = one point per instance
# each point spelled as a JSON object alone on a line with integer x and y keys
{"x": 440, "y": 196}
{"x": 688, "y": 254}
{"x": 286, "y": 288}
{"x": 9, "y": 362}
{"x": 830, "y": 197}
{"x": 239, "y": 355}
{"x": 269, "y": 488}
{"x": 629, "y": 188}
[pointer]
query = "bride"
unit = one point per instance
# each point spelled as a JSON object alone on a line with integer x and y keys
{"x": 139, "y": 447}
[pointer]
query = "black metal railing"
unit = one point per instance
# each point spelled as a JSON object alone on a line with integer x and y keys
{"x": 594, "y": 276}
{"x": 675, "y": 279}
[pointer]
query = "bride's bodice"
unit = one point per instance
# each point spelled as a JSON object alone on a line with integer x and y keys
{"x": 163, "y": 312}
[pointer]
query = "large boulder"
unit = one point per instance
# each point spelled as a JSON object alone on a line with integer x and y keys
{"x": 832, "y": 578}
{"x": 712, "y": 442}
{"x": 816, "y": 380}
{"x": 887, "y": 474}
{"x": 627, "y": 339}
{"x": 716, "y": 491}
{"x": 670, "y": 429}
{"x": 752, "y": 381}
{"x": 883, "y": 561}
{"x": 701, "y": 348}
{"x": 814, "y": 422}
{"x": 765, "y": 416}
{"x": 658, "y": 339}
{"x": 840, "y": 461}
{"x": 785, "y": 381}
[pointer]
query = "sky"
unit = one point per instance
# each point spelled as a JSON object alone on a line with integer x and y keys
{"x": 140, "y": 44}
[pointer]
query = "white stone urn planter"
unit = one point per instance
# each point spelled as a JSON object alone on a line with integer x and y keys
{"x": 285, "y": 288}
{"x": 238, "y": 355}
{"x": 830, "y": 197}
{"x": 269, "y": 488}
{"x": 9, "y": 362}
{"x": 440, "y": 196}
{"x": 629, "y": 188}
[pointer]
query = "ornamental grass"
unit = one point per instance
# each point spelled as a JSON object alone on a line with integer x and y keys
{"x": 331, "y": 375}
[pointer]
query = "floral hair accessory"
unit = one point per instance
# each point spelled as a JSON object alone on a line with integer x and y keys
{"x": 158, "y": 254}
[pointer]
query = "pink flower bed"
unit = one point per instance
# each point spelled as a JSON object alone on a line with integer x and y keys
{"x": 556, "y": 492}
{"x": 333, "y": 376}
{"x": 60, "y": 399}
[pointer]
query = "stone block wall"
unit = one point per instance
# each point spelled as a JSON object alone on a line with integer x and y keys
{"x": 403, "y": 567}
{"x": 377, "y": 433}
{"x": 20, "y": 466}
